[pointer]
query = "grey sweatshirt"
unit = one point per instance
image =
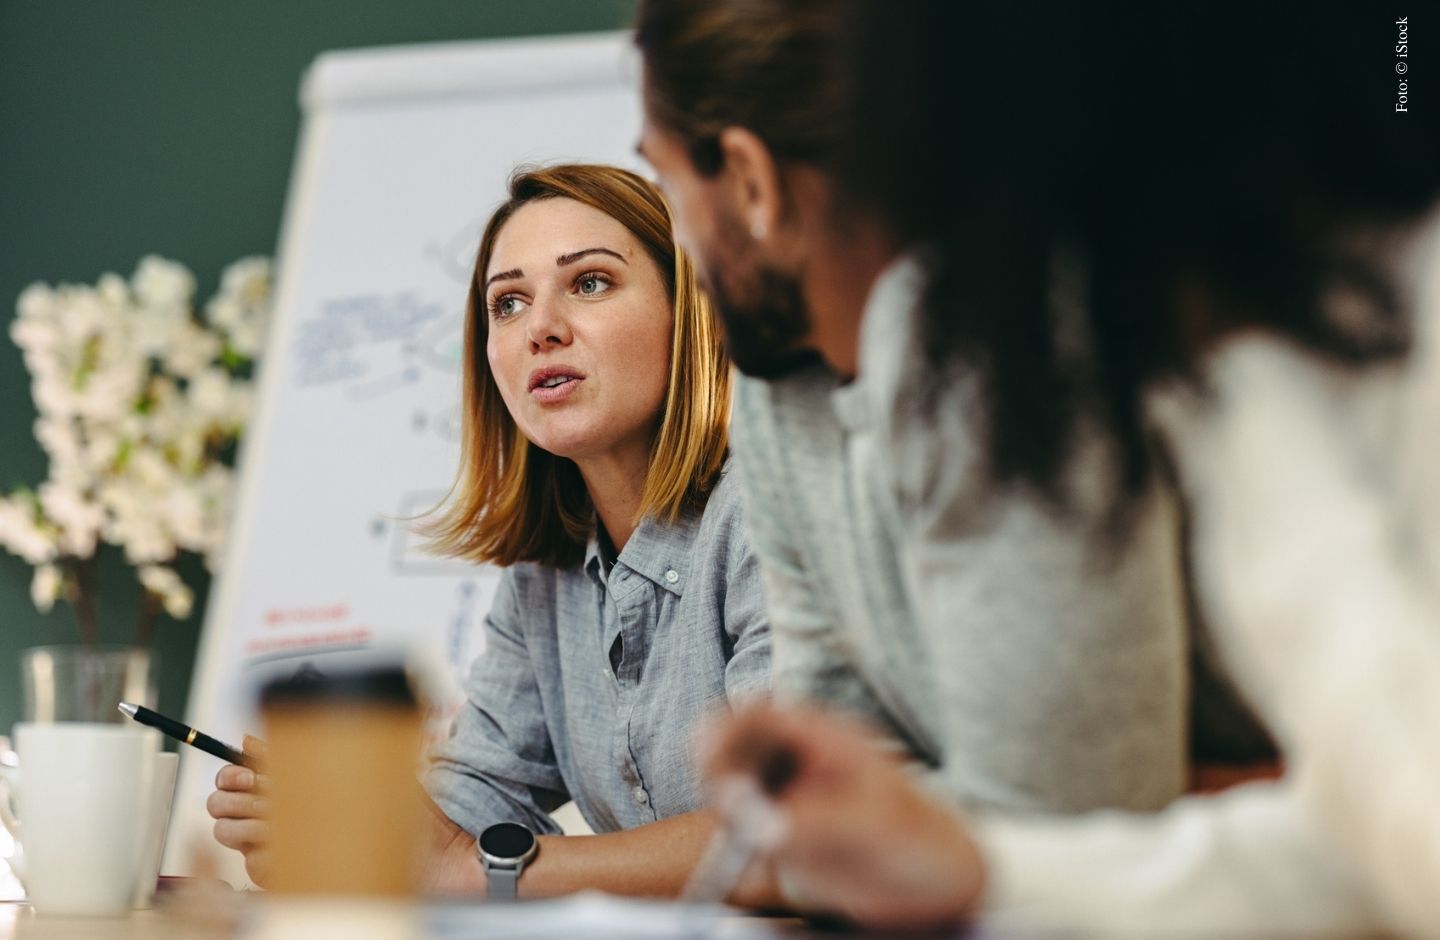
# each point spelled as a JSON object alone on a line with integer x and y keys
{"x": 1032, "y": 660}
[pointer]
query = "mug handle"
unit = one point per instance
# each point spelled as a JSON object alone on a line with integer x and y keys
{"x": 9, "y": 784}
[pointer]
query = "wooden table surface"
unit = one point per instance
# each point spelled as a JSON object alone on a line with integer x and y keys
{"x": 18, "y": 921}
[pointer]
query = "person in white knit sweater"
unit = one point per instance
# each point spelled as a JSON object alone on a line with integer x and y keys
{"x": 1251, "y": 229}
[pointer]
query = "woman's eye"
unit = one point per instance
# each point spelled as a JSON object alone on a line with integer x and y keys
{"x": 502, "y": 308}
{"x": 588, "y": 285}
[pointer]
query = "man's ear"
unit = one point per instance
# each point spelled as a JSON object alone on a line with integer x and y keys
{"x": 754, "y": 177}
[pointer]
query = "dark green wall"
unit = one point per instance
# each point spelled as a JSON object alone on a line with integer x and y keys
{"x": 131, "y": 127}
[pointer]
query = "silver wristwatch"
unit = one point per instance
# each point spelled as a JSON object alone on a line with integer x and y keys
{"x": 504, "y": 850}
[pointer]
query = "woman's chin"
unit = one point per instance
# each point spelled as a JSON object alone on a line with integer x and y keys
{"x": 570, "y": 447}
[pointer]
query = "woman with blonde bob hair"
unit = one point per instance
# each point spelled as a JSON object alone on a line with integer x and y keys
{"x": 515, "y": 501}
{"x": 593, "y": 470}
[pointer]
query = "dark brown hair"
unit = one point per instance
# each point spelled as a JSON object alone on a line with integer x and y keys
{"x": 764, "y": 65}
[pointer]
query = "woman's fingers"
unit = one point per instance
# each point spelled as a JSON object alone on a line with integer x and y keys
{"x": 225, "y": 804}
{"x": 257, "y": 865}
{"x": 255, "y": 747}
{"x": 233, "y": 777}
{"x": 243, "y": 835}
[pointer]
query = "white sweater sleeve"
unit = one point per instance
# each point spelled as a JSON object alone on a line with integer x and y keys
{"x": 1330, "y": 622}
{"x": 1248, "y": 860}
{"x": 1303, "y": 561}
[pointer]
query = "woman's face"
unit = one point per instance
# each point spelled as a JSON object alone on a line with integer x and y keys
{"x": 580, "y": 325}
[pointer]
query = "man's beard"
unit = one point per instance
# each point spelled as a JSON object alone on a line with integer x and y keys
{"x": 765, "y": 329}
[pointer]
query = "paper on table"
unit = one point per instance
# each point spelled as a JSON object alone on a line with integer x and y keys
{"x": 592, "y": 915}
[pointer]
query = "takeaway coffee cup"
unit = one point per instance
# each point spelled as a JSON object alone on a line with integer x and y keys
{"x": 80, "y": 807}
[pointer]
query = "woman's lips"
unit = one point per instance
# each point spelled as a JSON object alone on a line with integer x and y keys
{"x": 548, "y": 395}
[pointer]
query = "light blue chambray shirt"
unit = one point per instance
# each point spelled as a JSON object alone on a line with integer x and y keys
{"x": 591, "y": 683}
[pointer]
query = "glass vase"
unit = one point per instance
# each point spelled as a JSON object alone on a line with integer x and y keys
{"x": 82, "y": 683}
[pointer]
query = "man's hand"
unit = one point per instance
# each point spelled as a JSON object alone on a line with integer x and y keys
{"x": 862, "y": 839}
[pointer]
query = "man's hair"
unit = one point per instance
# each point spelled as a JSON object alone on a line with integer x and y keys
{"x": 763, "y": 65}
{"x": 513, "y": 501}
{"x": 1190, "y": 168}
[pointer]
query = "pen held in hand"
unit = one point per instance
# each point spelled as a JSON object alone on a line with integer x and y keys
{"x": 751, "y": 825}
{"x": 188, "y": 735}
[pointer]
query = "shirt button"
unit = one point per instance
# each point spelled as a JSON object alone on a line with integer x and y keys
{"x": 672, "y": 576}
{"x": 641, "y": 797}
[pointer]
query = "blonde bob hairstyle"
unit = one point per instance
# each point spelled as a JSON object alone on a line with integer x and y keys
{"x": 512, "y": 501}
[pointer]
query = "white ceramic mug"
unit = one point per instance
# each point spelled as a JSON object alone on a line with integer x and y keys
{"x": 162, "y": 794}
{"x": 79, "y": 808}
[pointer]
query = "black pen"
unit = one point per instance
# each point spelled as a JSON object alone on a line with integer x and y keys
{"x": 189, "y": 735}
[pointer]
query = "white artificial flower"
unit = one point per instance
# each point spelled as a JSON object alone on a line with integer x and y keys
{"x": 241, "y": 308}
{"x": 248, "y": 338}
{"x": 45, "y": 587}
{"x": 147, "y": 465}
{"x": 188, "y": 444}
{"x": 224, "y": 312}
{"x": 101, "y": 450}
{"x": 54, "y": 397}
{"x": 248, "y": 281}
{"x": 134, "y": 399}
{"x": 82, "y": 313}
{"x": 160, "y": 282}
{"x": 153, "y": 329}
{"x": 22, "y": 534}
{"x": 216, "y": 487}
{"x": 180, "y": 602}
{"x": 58, "y": 438}
{"x": 166, "y": 584}
{"x": 78, "y": 518}
{"x": 145, "y": 541}
{"x": 79, "y": 543}
{"x": 215, "y": 557}
{"x": 113, "y": 290}
{"x": 45, "y": 366}
{"x": 35, "y": 335}
{"x": 131, "y": 426}
{"x": 210, "y": 395}
{"x": 191, "y": 349}
{"x": 70, "y": 470}
{"x": 122, "y": 497}
{"x": 167, "y": 423}
{"x": 163, "y": 392}
{"x": 111, "y": 390}
{"x": 183, "y": 510}
{"x": 36, "y": 302}
{"x": 242, "y": 400}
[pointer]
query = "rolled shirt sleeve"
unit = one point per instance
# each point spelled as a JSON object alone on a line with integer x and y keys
{"x": 498, "y": 764}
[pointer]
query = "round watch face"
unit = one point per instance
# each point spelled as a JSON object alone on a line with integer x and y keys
{"x": 507, "y": 840}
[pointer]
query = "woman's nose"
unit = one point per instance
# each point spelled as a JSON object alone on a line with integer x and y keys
{"x": 546, "y": 325}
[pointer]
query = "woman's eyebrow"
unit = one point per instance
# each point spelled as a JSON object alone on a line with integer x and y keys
{"x": 504, "y": 276}
{"x": 563, "y": 260}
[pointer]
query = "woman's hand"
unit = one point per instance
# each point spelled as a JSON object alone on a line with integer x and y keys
{"x": 862, "y": 839}
{"x": 241, "y": 812}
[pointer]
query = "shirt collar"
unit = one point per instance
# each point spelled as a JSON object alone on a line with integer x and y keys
{"x": 891, "y": 309}
{"x": 657, "y": 551}
{"x": 593, "y": 564}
